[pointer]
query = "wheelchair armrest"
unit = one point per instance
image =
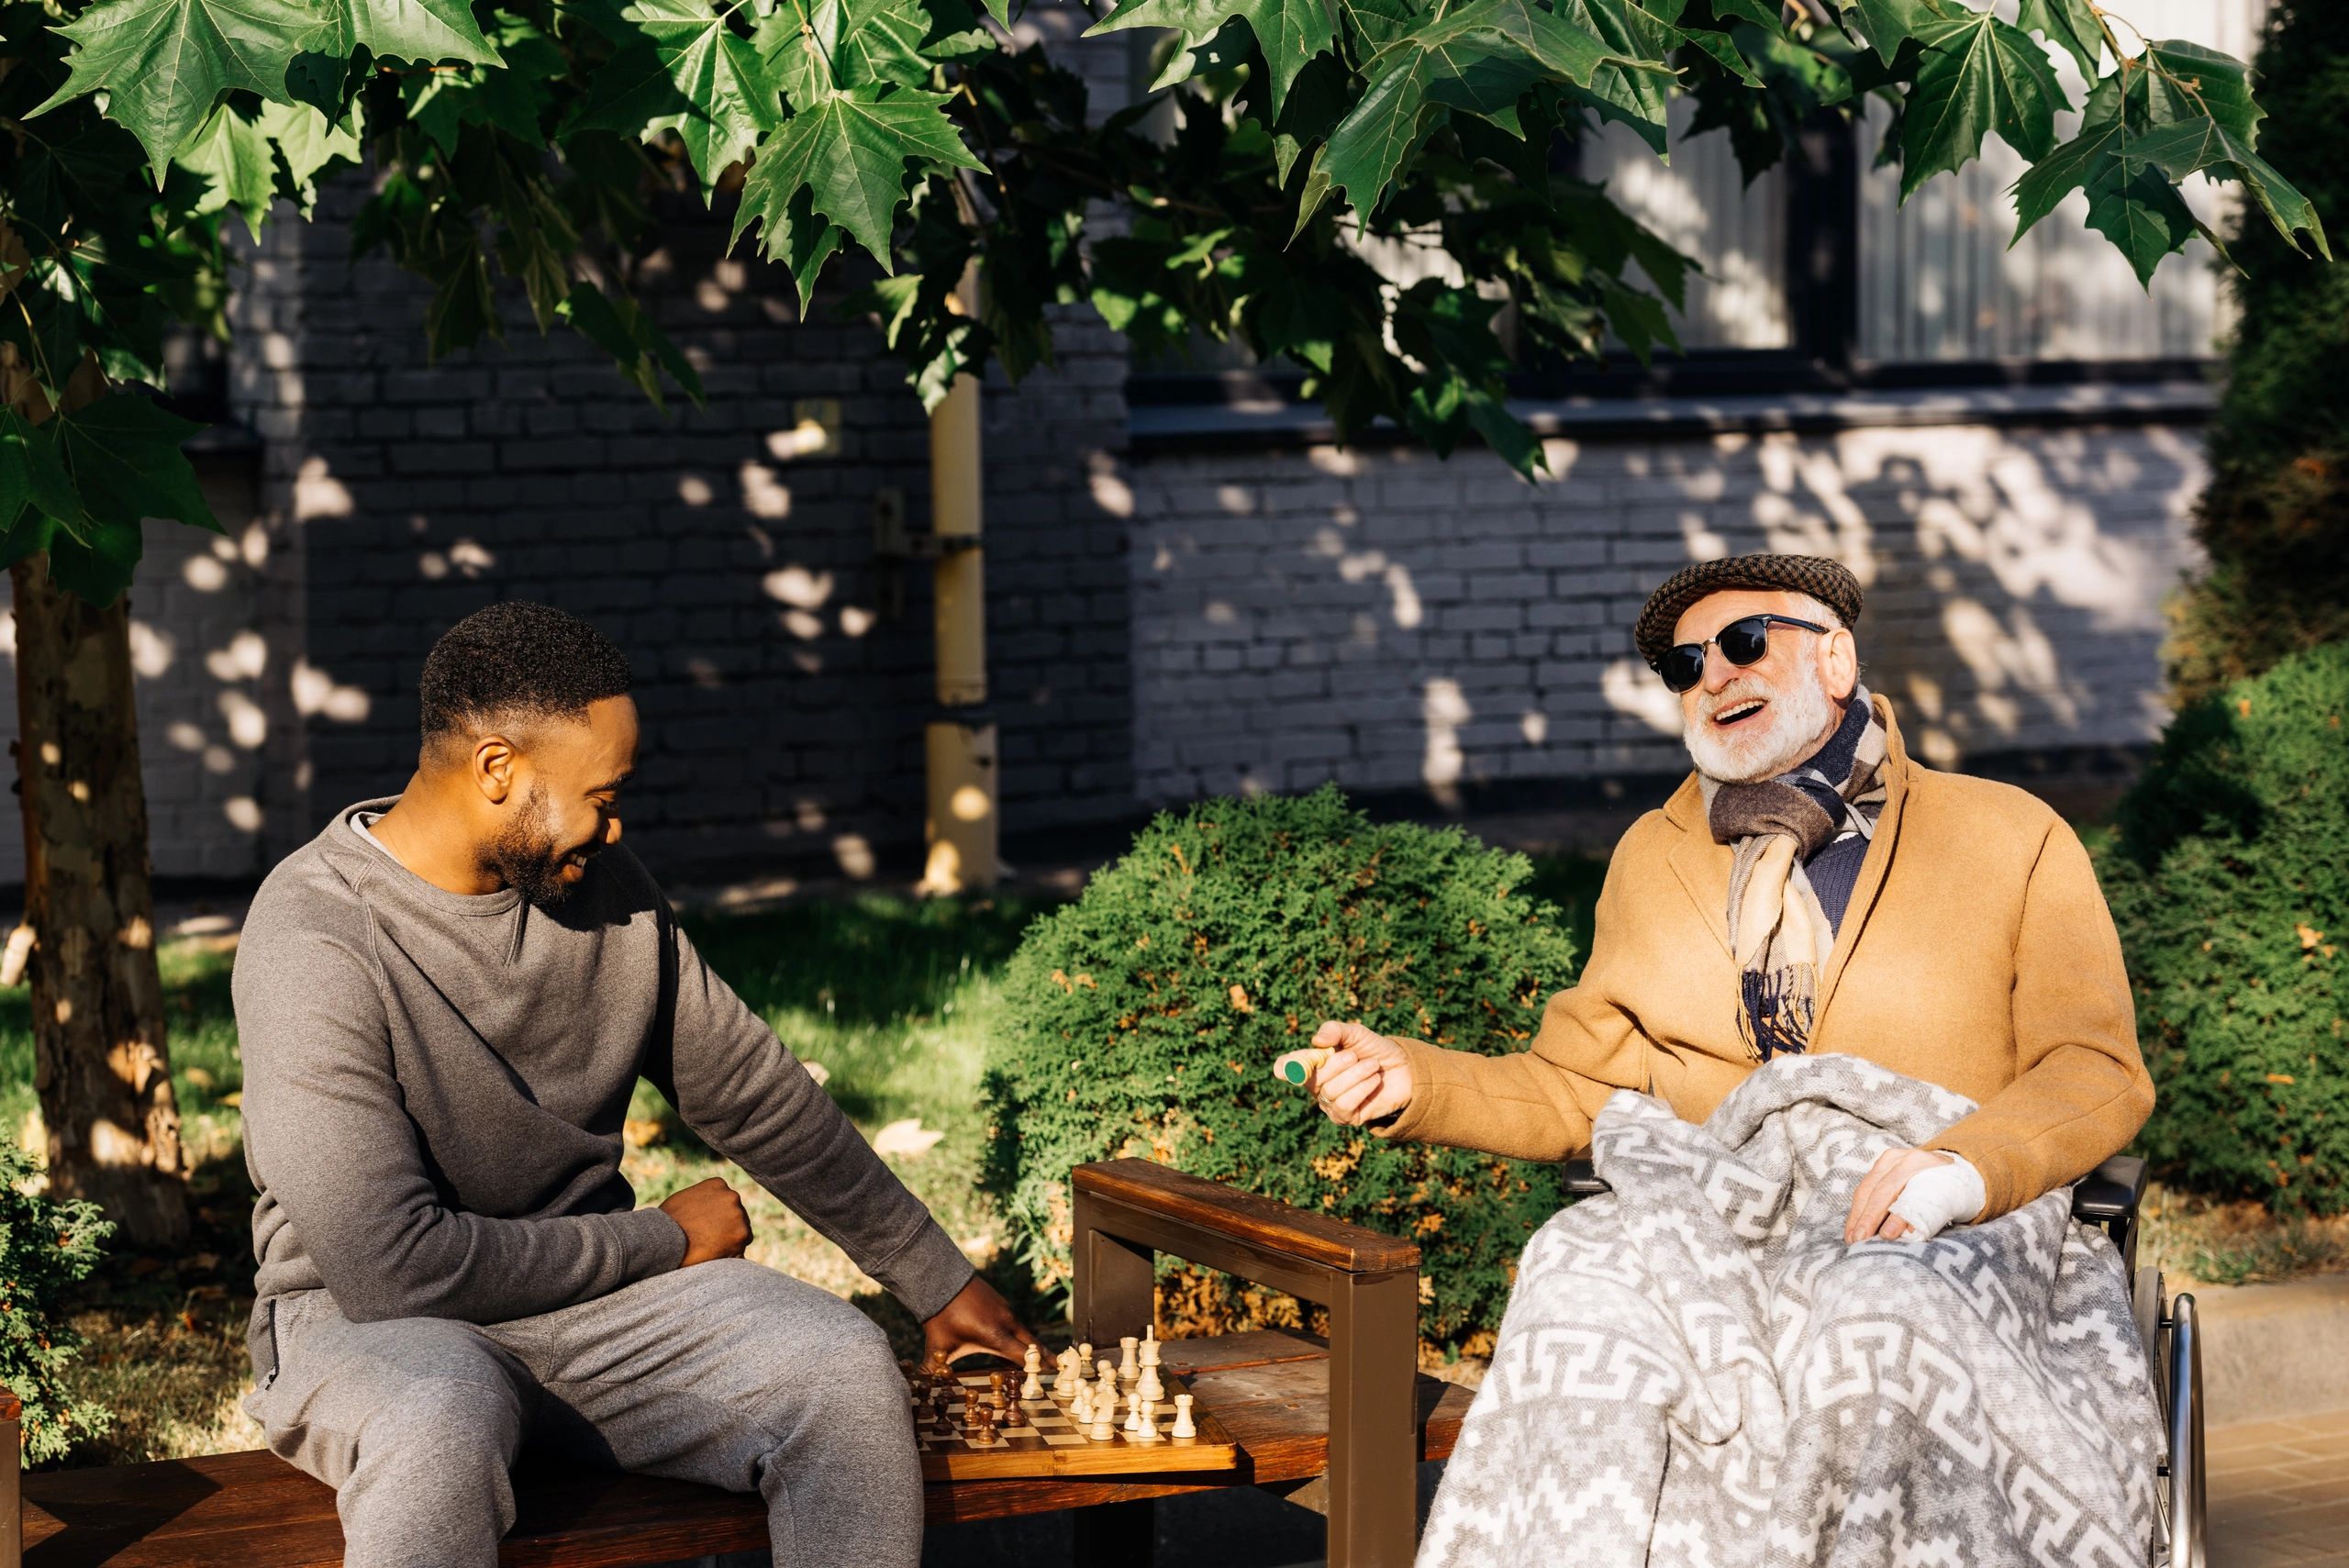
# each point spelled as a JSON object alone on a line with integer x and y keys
{"x": 2111, "y": 1191}
{"x": 1582, "y": 1179}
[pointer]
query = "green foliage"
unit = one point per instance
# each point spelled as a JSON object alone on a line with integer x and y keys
{"x": 45, "y": 1247}
{"x": 523, "y": 140}
{"x": 2274, "y": 525}
{"x": 1144, "y": 1018}
{"x": 2230, "y": 883}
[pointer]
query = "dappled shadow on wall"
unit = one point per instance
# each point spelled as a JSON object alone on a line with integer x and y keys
{"x": 1400, "y": 624}
{"x": 727, "y": 549}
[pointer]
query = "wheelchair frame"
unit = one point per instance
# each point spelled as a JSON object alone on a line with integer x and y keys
{"x": 2110, "y": 1197}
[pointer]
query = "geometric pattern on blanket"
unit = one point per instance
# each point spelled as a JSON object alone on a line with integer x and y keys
{"x": 1695, "y": 1372}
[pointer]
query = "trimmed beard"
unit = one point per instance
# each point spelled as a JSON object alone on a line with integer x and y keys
{"x": 1800, "y": 716}
{"x": 524, "y": 857}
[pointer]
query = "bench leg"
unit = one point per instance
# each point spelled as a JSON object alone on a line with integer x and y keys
{"x": 1112, "y": 1286}
{"x": 1374, "y": 1470}
{"x": 1115, "y": 1535}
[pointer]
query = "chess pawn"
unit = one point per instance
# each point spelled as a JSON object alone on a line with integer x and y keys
{"x": 1127, "y": 1369}
{"x": 1145, "y": 1426}
{"x": 1135, "y": 1404}
{"x": 1084, "y": 1357}
{"x": 1080, "y": 1409}
{"x": 1183, "y": 1424}
{"x": 1033, "y": 1387}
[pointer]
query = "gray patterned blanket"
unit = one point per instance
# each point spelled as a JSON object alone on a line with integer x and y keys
{"x": 1695, "y": 1372}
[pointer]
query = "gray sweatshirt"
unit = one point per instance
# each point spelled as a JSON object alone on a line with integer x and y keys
{"x": 435, "y": 1082}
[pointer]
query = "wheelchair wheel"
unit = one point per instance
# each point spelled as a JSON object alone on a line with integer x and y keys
{"x": 2172, "y": 1332}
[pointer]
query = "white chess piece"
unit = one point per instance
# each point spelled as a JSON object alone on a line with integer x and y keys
{"x": 1064, "y": 1374}
{"x": 1127, "y": 1368}
{"x": 1183, "y": 1425}
{"x": 1080, "y": 1409}
{"x": 1145, "y": 1428}
{"x": 1084, "y": 1357}
{"x": 1032, "y": 1386}
{"x": 1133, "y": 1415}
{"x": 1104, "y": 1428}
{"x": 1148, "y": 1386}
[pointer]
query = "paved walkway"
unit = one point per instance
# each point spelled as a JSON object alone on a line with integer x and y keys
{"x": 2279, "y": 1493}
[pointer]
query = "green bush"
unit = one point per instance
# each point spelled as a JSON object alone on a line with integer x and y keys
{"x": 2230, "y": 881}
{"x": 1146, "y": 1017}
{"x": 2274, "y": 525}
{"x": 45, "y": 1247}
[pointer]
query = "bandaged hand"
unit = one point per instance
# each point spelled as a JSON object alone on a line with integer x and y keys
{"x": 1366, "y": 1077}
{"x": 1913, "y": 1195}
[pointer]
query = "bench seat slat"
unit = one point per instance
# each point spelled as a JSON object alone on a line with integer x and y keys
{"x": 1271, "y": 1390}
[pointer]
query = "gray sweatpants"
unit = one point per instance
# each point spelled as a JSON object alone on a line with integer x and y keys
{"x": 726, "y": 1373}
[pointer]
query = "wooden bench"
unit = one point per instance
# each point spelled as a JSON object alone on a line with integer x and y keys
{"x": 1351, "y": 1415}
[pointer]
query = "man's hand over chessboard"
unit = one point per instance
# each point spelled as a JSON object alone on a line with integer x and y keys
{"x": 977, "y": 1319}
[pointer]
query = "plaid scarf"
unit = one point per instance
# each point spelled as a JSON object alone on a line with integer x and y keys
{"x": 1777, "y": 931}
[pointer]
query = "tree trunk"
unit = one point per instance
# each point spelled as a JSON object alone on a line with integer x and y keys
{"x": 97, "y": 998}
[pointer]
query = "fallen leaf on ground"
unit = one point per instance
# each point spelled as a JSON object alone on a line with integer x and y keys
{"x": 817, "y": 1071}
{"x": 204, "y": 1263}
{"x": 908, "y": 1138}
{"x": 642, "y": 1131}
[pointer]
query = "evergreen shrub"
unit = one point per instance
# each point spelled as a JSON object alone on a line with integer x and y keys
{"x": 1144, "y": 1017}
{"x": 2230, "y": 881}
{"x": 46, "y": 1247}
{"x": 2274, "y": 525}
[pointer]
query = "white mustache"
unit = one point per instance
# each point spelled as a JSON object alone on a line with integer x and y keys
{"x": 1744, "y": 688}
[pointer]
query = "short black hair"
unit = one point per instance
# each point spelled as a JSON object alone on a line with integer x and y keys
{"x": 515, "y": 660}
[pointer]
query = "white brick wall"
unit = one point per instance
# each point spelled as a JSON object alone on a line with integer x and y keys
{"x": 1397, "y": 623}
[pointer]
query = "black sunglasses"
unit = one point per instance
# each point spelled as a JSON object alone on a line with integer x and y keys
{"x": 1742, "y": 642}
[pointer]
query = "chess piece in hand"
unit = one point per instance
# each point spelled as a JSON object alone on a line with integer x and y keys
{"x": 711, "y": 1214}
{"x": 1365, "y": 1077}
{"x": 977, "y": 1321}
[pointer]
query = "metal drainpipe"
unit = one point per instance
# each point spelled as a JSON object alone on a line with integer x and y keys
{"x": 962, "y": 824}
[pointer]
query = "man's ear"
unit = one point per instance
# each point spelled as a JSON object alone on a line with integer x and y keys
{"x": 494, "y": 761}
{"x": 1839, "y": 658}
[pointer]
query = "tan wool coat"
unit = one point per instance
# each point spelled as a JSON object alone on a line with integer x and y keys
{"x": 1977, "y": 953}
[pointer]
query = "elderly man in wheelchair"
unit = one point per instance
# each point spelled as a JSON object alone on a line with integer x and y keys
{"x": 1854, "y": 1052}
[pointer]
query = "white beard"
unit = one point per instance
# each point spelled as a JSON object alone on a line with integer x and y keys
{"x": 1798, "y": 717}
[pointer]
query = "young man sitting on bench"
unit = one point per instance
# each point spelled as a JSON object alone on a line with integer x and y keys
{"x": 444, "y": 1002}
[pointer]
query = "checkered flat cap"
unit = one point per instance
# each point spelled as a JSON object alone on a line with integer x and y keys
{"x": 1829, "y": 582}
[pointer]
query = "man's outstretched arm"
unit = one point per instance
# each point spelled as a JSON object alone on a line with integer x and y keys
{"x": 331, "y": 1143}
{"x": 744, "y": 1091}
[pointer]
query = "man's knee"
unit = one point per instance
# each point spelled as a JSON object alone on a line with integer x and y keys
{"x": 445, "y": 1421}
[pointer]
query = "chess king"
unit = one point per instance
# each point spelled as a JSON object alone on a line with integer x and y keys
{"x": 444, "y": 1002}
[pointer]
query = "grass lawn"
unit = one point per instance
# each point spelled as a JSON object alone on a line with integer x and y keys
{"x": 893, "y": 996}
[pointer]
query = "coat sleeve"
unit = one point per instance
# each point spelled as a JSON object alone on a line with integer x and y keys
{"x": 744, "y": 1091}
{"x": 1537, "y": 1103}
{"x": 2081, "y": 1090}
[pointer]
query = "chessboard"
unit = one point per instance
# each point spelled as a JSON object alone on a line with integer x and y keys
{"x": 1047, "y": 1442}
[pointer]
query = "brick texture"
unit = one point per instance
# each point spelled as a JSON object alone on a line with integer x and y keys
{"x": 1397, "y": 623}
